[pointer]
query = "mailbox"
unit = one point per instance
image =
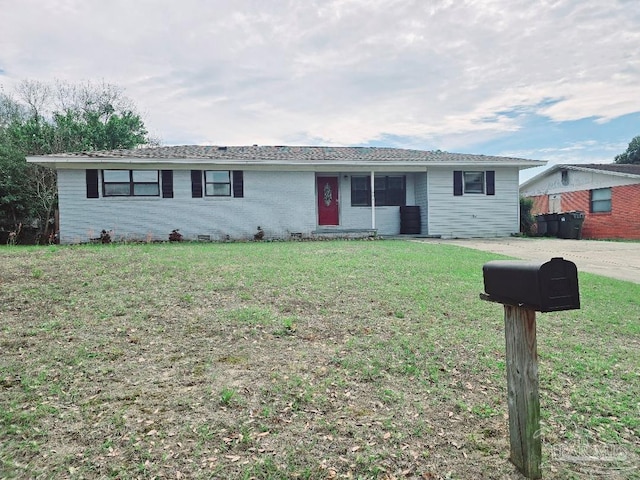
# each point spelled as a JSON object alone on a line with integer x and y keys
{"x": 543, "y": 286}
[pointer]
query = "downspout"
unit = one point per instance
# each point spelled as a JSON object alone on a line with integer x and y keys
{"x": 373, "y": 201}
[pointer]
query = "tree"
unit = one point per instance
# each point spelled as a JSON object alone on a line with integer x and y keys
{"x": 41, "y": 119}
{"x": 16, "y": 201}
{"x": 72, "y": 118}
{"x": 632, "y": 154}
{"x": 10, "y": 110}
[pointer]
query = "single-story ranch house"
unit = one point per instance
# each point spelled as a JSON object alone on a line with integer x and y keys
{"x": 220, "y": 193}
{"x": 608, "y": 194}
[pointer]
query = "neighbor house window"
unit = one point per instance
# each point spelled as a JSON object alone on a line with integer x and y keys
{"x": 474, "y": 182}
{"x": 601, "y": 200}
{"x": 390, "y": 190}
{"x": 130, "y": 183}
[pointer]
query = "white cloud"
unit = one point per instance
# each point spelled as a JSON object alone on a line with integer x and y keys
{"x": 442, "y": 73}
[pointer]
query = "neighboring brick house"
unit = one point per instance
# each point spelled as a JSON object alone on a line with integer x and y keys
{"x": 219, "y": 192}
{"x": 608, "y": 194}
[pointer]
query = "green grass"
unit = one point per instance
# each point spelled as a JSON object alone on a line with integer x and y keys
{"x": 361, "y": 359}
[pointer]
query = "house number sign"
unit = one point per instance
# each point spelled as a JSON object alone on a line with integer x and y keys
{"x": 328, "y": 196}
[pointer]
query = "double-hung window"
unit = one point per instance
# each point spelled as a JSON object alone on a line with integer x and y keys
{"x": 130, "y": 183}
{"x": 217, "y": 183}
{"x": 600, "y": 200}
{"x": 390, "y": 190}
{"x": 474, "y": 182}
{"x": 360, "y": 191}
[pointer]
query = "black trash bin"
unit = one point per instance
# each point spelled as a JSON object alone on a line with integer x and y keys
{"x": 553, "y": 221}
{"x": 571, "y": 225}
{"x": 410, "y": 220}
{"x": 578, "y": 222}
{"x": 564, "y": 226}
{"x": 541, "y": 222}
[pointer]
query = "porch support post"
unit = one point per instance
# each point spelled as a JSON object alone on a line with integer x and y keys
{"x": 373, "y": 201}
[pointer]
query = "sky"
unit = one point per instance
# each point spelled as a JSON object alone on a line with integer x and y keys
{"x": 552, "y": 80}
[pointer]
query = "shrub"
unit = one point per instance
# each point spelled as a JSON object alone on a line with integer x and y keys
{"x": 526, "y": 218}
{"x": 175, "y": 236}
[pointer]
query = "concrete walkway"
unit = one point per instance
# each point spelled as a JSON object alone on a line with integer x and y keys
{"x": 620, "y": 260}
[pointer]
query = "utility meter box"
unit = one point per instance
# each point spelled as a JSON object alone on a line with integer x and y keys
{"x": 542, "y": 286}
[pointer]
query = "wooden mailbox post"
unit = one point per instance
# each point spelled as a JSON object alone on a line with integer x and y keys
{"x": 524, "y": 288}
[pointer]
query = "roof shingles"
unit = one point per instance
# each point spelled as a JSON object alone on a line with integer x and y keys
{"x": 629, "y": 168}
{"x": 291, "y": 154}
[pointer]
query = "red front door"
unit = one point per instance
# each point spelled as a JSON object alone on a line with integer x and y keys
{"x": 327, "y": 200}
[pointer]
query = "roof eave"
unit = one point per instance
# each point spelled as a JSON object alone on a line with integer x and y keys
{"x": 93, "y": 162}
{"x": 605, "y": 172}
{"x": 560, "y": 166}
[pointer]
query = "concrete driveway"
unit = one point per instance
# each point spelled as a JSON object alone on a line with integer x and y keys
{"x": 620, "y": 260}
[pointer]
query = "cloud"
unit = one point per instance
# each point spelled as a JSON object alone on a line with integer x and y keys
{"x": 443, "y": 74}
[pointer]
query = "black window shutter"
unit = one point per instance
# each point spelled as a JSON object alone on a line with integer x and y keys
{"x": 196, "y": 183}
{"x": 457, "y": 183}
{"x": 167, "y": 183}
{"x": 92, "y": 184}
{"x": 491, "y": 182}
{"x": 238, "y": 184}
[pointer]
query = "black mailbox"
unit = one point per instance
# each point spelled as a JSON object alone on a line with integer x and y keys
{"x": 543, "y": 286}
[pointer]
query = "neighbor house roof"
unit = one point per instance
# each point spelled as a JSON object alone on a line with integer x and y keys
{"x": 614, "y": 169}
{"x": 275, "y": 155}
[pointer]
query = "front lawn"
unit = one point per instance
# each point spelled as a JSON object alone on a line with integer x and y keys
{"x": 337, "y": 359}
